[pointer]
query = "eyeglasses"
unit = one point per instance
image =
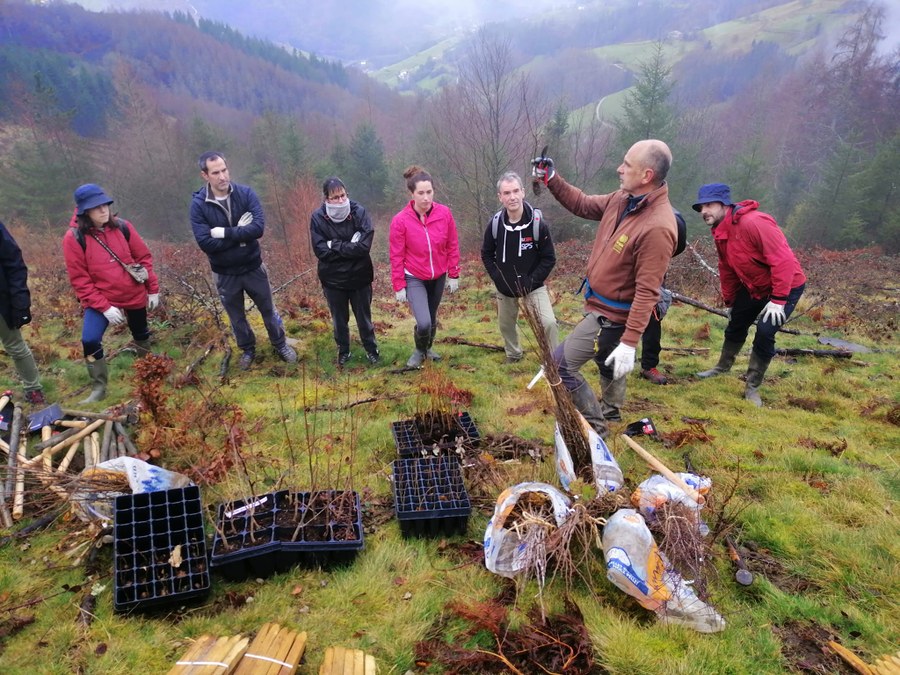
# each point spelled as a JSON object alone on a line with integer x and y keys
{"x": 336, "y": 199}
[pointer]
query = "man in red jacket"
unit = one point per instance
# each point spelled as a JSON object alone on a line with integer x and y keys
{"x": 758, "y": 272}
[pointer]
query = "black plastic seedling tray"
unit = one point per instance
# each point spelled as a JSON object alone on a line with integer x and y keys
{"x": 244, "y": 542}
{"x": 319, "y": 529}
{"x": 430, "y": 497}
{"x": 409, "y": 442}
{"x": 159, "y": 549}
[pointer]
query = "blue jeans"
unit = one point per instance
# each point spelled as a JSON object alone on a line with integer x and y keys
{"x": 743, "y": 315}
{"x": 95, "y": 324}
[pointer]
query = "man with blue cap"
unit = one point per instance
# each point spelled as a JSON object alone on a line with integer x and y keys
{"x": 758, "y": 272}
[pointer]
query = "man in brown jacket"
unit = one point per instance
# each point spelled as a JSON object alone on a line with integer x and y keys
{"x": 635, "y": 240}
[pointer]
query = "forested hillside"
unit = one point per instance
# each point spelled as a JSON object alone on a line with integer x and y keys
{"x": 793, "y": 103}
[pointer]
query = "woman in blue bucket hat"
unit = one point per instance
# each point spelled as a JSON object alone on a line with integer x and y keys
{"x": 111, "y": 270}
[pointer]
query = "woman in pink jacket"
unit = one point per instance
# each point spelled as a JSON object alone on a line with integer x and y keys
{"x": 97, "y": 248}
{"x": 424, "y": 257}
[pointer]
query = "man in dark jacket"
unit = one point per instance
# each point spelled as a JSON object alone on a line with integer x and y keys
{"x": 15, "y": 312}
{"x": 228, "y": 221}
{"x": 518, "y": 254}
{"x": 758, "y": 272}
{"x": 342, "y": 233}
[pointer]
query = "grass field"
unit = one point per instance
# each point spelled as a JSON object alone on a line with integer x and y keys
{"x": 814, "y": 473}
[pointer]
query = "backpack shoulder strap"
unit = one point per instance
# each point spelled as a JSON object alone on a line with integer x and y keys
{"x": 495, "y": 223}
{"x": 126, "y": 231}
{"x": 538, "y": 216}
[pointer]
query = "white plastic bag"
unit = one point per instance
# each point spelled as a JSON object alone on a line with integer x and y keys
{"x": 503, "y": 547}
{"x": 607, "y": 474}
{"x": 91, "y": 505}
{"x": 635, "y": 565}
{"x": 658, "y": 490}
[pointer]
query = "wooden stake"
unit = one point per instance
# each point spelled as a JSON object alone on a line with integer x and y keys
{"x": 105, "y": 453}
{"x": 658, "y": 466}
{"x": 72, "y": 424}
{"x": 70, "y": 455}
{"x": 46, "y": 433}
{"x": 52, "y": 450}
{"x": 850, "y": 658}
{"x": 19, "y": 496}
{"x": 124, "y": 437}
{"x": 94, "y": 415}
{"x": 95, "y": 447}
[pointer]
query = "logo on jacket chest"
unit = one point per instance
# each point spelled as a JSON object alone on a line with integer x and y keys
{"x": 620, "y": 243}
{"x": 526, "y": 244}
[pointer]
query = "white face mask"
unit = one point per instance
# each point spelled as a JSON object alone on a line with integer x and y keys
{"x": 338, "y": 212}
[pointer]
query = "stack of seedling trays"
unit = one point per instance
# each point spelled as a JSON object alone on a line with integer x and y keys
{"x": 159, "y": 549}
{"x": 272, "y": 532}
{"x": 430, "y": 497}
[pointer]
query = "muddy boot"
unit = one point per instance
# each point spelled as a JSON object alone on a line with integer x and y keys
{"x": 587, "y": 404}
{"x": 429, "y": 352}
{"x": 142, "y": 348}
{"x": 418, "y": 355}
{"x": 612, "y": 398}
{"x": 756, "y": 371}
{"x": 726, "y": 359}
{"x": 99, "y": 374}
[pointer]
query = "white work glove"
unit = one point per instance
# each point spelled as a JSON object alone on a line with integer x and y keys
{"x": 328, "y": 243}
{"x": 152, "y": 301}
{"x": 217, "y": 232}
{"x": 115, "y": 316}
{"x": 356, "y": 237}
{"x": 773, "y": 313}
{"x": 246, "y": 219}
{"x": 400, "y": 295}
{"x": 621, "y": 359}
{"x": 452, "y": 285}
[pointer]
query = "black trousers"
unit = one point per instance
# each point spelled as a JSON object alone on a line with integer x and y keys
{"x": 340, "y": 302}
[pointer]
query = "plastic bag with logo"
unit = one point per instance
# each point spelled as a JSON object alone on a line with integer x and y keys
{"x": 504, "y": 545}
{"x": 604, "y": 467}
{"x": 635, "y": 565}
{"x": 658, "y": 490}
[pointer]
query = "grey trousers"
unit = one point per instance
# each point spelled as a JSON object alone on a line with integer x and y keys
{"x": 508, "y": 313}
{"x": 424, "y": 298}
{"x": 23, "y": 359}
{"x": 231, "y": 290}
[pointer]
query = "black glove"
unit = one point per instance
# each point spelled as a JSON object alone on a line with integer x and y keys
{"x": 20, "y": 317}
{"x": 542, "y": 168}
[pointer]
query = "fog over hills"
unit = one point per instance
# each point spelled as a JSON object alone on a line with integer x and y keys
{"x": 379, "y": 32}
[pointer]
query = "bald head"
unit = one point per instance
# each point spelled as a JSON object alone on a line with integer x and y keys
{"x": 645, "y": 166}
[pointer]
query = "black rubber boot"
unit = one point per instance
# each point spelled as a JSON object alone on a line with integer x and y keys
{"x": 587, "y": 404}
{"x": 99, "y": 374}
{"x": 418, "y": 355}
{"x": 612, "y": 398}
{"x": 756, "y": 371}
{"x": 429, "y": 352}
{"x": 142, "y": 348}
{"x": 726, "y": 359}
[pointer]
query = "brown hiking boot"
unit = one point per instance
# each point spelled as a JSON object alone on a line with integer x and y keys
{"x": 654, "y": 376}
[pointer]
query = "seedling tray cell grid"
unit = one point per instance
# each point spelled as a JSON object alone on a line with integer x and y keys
{"x": 159, "y": 549}
{"x": 430, "y": 497}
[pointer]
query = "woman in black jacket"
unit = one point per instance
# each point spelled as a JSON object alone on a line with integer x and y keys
{"x": 342, "y": 234}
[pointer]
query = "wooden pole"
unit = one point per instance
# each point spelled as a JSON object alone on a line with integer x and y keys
{"x": 52, "y": 450}
{"x": 658, "y": 466}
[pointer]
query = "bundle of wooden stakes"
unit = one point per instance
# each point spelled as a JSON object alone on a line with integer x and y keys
{"x": 274, "y": 651}
{"x": 212, "y": 656}
{"x": 340, "y": 661}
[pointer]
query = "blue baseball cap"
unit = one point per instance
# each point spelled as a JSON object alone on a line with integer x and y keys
{"x": 713, "y": 192}
{"x": 89, "y": 196}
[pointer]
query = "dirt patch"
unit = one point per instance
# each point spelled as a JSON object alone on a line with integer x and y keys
{"x": 805, "y": 648}
{"x": 560, "y": 644}
{"x": 760, "y": 561}
{"x": 834, "y": 448}
{"x": 808, "y": 404}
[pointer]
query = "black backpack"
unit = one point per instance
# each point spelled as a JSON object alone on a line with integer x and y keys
{"x": 122, "y": 225}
